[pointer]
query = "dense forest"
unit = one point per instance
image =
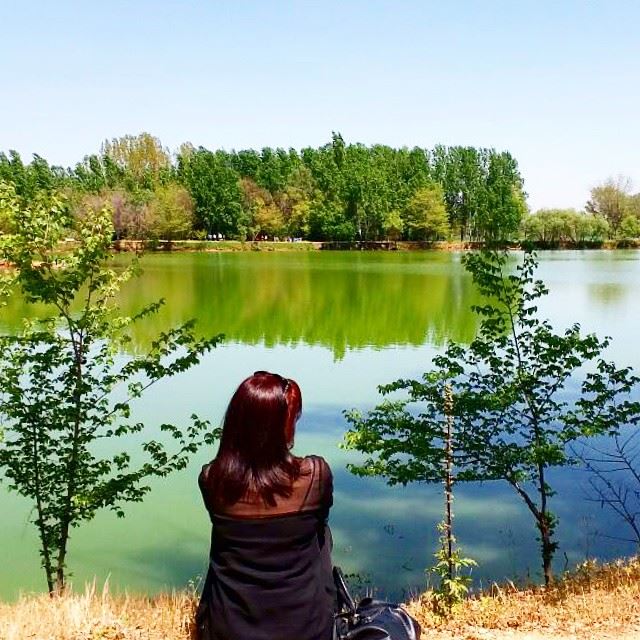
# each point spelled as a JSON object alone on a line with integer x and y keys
{"x": 338, "y": 191}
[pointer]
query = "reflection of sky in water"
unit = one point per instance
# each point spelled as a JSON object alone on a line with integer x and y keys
{"x": 386, "y": 534}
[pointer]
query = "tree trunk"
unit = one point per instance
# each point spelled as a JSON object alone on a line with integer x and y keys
{"x": 61, "y": 559}
{"x": 60, "y": 581}
{"x": 547, "y": 547}
{"x": 448, "y": 477}
{"x": 545, "y": 526}
{"x": 77, "y": 343}
{"x": 46, "y": 556}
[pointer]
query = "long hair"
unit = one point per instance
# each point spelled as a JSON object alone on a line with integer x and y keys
{"x": 253, "y": 459}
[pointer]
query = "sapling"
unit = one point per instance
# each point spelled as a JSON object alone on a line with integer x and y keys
{"x": 66, "y": 385}
{"x": 523, "y": 393}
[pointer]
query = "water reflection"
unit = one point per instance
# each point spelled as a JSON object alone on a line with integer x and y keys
{"x": 338, "y": 301}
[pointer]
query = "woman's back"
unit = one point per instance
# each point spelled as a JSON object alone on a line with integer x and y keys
{"x": 270, "y": 567}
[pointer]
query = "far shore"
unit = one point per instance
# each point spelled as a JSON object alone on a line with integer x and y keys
{"x": 236, "y": 246}
{"x": 229, "y": 246}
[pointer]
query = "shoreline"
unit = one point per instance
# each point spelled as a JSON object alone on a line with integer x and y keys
{"x": 265, "y": 246}
{"x": 232, "y": 246}
{"x": 594, "y": 602}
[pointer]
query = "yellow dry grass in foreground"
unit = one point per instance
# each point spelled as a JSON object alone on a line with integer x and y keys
{"x": 594, "y": 603}
{"x": 98, "y": 616}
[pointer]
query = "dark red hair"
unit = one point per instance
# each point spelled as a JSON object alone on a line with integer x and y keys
{"x": 253, "y": 460}
{"x": 293, "y": 396}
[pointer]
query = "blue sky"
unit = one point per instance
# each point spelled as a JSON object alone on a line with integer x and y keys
{"x": 557, "y": 83}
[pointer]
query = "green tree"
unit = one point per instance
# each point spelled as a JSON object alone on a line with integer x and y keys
{"x": 457, "y": 170}
{"x": 633, "y": 205}
{"x": 630, "y": 227}
{"x": 611, "y": 200}
{"x": 296, "y": 200}
{"x": 453, "y": 586}
{"x": 64, "y": 385}
{"x": 589, "y": 228}
{"x": 393, "y": 225}
{"x": 170, "y": 213}
{"x": 261, "y": 212}
{"x": 141, "y": 157}
{"x": 274, "y": 170}
{"x": 327, "y": 221}
{"x": 328, "y": 218}
{"x": 553, "y": 226}
{"x": 338, "y": 191}
{"x": 425, "y": 216}
{"x": 29, "y": 179}
{"x": 213, "y": 185}
{"x": 514, "y": 413}
{"x": 366, "y": 191}
{"x": 504, "y": 203}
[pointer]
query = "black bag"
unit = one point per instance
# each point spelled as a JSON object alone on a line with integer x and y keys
{"x": 370, "y": 619}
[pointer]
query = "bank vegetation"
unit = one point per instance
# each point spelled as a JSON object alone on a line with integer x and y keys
{"x": 338, "y": 192}
{"x": 593, "y": 602}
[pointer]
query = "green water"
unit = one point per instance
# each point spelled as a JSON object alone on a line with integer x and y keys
{"x": 340, "y": 324}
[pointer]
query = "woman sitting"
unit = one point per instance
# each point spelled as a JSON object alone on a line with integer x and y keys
{"x": 269, "y": 574}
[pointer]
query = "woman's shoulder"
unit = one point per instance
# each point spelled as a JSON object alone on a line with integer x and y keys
{"x": 316, "y": 466}
{"x": 204, "y": 477}
{"x": 206, "y": 470}
{"x": 316, "y": 461}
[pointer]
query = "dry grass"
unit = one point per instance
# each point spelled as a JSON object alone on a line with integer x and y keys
{"x": 96, "y": 615}
{"x": 593, "y": 602}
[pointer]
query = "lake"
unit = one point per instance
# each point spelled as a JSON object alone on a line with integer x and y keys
{"x": 340, "y": 324}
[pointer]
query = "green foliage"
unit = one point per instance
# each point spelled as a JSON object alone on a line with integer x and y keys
{"x": 425, "y": 216}
{"x": 630, "y": 227}
{"x": 551, "y": 227}
{"x": 213, "y": 185}
{"x": 483, "y": 191}
{"x": 141, "y": 159}
{"x": 453, "y": 586}
{"x": 65, "y": 387}
{"x": 295, "y": 202}
{"x": 612, "y": 200}
{"x": 262, "y": 214}
{"x": 338, "y": 191}
{"x": 393, "y": 225}
{"x": 171, "y": 213}
{"x": 31, "y": 178}
{"x": 523, "y": 392}
{"x": 503, "y": 200}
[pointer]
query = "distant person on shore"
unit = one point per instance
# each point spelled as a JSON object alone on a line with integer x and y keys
{"x": 269, "y": 575}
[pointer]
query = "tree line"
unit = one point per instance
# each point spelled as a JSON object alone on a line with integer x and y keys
{"x": 338, "y": 191}
{"x": 612, "y": 212}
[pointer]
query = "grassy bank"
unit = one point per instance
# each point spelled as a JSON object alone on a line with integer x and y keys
{"x": 594, "y": 602}
{"x": 223, "y": 246}
{"x": 238, "y": 245}
{"x": 99, "y": 615}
